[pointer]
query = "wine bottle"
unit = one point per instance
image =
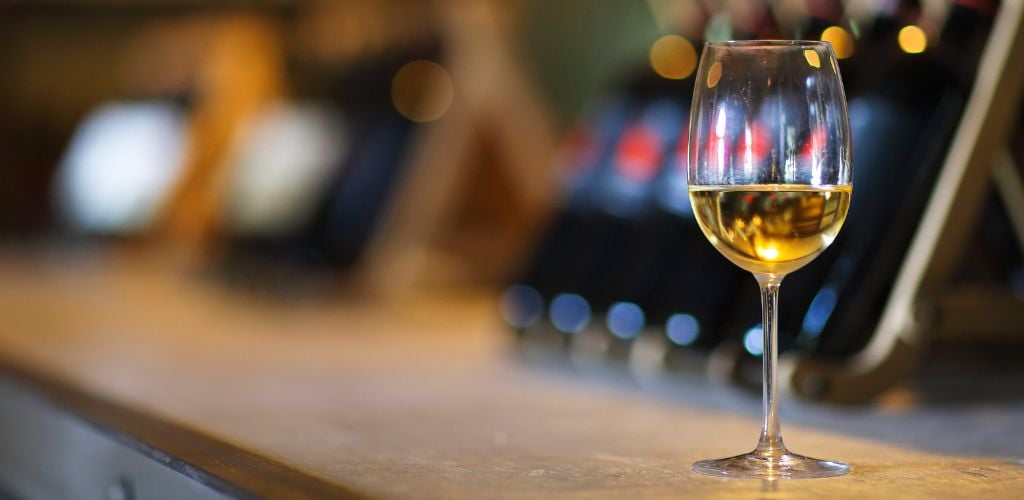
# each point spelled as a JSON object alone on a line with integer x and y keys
{"x": 529, "y": 306}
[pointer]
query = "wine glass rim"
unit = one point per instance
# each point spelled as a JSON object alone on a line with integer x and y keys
{"x": 767, "y": 43}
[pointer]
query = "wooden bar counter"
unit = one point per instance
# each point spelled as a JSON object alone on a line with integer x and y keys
{"x": 122, "y": 379}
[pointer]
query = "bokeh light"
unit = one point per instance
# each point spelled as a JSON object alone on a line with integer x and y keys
{"x": 673, "y": 57}
{"x": 912, "y": 39}
{"x": 422, "y": 91}
{"x": 521, "y": 305}
{"x": 753, "y": 341}
{"x": 626, "y": 320}
{"x": 121, "y": 163}
{"x": 714, "y": 75}
{"x": 569, "y": 312}
{"x": 812, "y": 58}
{"x": 682, "y": 329}
{"x": 841, "y": 40}
{"x": 819, "y": 311}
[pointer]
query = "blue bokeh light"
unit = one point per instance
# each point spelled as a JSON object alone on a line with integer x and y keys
{"x": 569, "y": 312}
{"x": 682, "y": 329}
{"x": 521, "y": 305}
{"x": 626, "y": 320}
{"x": 753, "y": 341}
{"x": 820, "y": 310}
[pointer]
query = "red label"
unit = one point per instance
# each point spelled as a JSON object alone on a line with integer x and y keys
{"x": 638, "y": 154}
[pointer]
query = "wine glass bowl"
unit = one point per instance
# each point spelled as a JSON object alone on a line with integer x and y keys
{"x": 770, "y": 178}
{"x": 770, "y": 230}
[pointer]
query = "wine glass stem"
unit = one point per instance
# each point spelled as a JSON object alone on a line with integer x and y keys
{"x": 770, "y": 443}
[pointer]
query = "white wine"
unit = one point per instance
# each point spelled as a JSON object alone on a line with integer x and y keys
{"x": 770, "y": 228}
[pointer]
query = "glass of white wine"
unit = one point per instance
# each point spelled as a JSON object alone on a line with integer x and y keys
{"x": 770, "y": 178}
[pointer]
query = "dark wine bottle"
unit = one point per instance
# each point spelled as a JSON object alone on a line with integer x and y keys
{"x": 536, "y": 306}
{"x": 625, "y": 201}
{"x": 902, "y": 126}
{"x": 904, "y": 108}
{"x": 330, "y": 208}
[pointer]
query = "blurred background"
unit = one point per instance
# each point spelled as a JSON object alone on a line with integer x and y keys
{"x": 308, "y": 152}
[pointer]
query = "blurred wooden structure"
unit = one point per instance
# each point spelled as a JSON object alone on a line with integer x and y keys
{"x": 477, "y": 183}
{"x": 492, "y": 153}
{"x": 242, "y": 72}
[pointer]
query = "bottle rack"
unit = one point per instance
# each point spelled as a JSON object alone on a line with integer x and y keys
{"x": 921, "y": 307}
{"x": 459, "y": 152}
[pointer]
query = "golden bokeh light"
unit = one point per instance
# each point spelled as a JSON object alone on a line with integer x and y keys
{"x": 422, "y": 91}
{"x": 673, "y": 57}
{"x": 841, "y": 40}
{"x": 714, "y": 74}
{"x": 812, "y": 58}
{"x": 767, "y": 252}
{"x": 913, "y": 39}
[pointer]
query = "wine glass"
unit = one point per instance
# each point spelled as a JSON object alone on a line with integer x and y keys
{"x": 770, "y": 178}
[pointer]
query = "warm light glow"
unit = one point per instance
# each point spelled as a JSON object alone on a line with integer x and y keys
{"x": 673, "y": 57}
{"x": 718, "y": 141}
{"x": 842, "y": 42}
{"x": 913, "y": 39}
{"x": 767, "y": 253}
{"x": 714, "y": 74}
{"x": 422, "y": 91}
{"x": 812, "y": 58}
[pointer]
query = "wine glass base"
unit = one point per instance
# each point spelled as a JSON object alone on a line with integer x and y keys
{"x": 756, "y": 465}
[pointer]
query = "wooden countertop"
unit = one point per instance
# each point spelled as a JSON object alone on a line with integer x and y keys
{"x": 421, "y": 399}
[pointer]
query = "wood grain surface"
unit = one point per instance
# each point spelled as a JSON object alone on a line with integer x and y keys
{"x": 421, "y": 399}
